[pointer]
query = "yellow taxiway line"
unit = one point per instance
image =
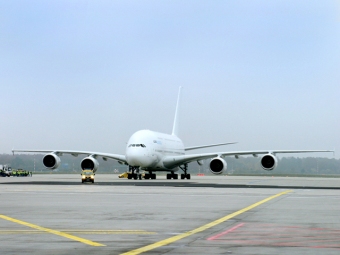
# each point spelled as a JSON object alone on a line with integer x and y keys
{"x": 83, "y": 232}
{"x": 202, "y": 228}
{"x": 51, "y": 231}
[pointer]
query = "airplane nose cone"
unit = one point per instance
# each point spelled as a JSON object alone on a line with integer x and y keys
{"x": 136, "y": 158}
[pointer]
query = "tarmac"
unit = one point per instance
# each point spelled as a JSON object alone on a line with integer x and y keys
{"x": 57, "y": 214}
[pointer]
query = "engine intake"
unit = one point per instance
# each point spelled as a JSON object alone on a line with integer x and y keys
{"x": 268, "y": 162}
{"x": 51, "y": 161}
{"x": 218, "y": 165}
{"x": 89, "y": 163}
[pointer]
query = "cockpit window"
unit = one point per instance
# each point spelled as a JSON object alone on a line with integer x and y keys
{"x": 137, "y": 145}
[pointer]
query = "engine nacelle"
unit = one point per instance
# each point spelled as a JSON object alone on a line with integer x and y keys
{"x": 218, "y": 165}
{"x": 51, "y": 161}
{"x": 268, "y": 162}
{"x": 89, "y": 163}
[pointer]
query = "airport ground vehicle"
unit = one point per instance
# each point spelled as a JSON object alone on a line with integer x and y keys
{"x": 5, "y": 171}
{"x": 87, "y": 175}
{"x": 129, "y": 175}
{"x": 123, "y": 175}
{"x": 21, "y": 172}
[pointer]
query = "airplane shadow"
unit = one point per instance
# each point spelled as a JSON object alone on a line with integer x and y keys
{"x": 179, "y": 184}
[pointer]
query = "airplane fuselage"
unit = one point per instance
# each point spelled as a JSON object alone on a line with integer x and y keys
{"x": 146, "y": 149}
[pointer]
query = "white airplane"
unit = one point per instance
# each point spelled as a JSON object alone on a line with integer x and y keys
{"x": 153, "y": 151}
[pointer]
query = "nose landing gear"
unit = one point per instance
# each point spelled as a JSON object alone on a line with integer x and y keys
{"x": 134, "y": 173}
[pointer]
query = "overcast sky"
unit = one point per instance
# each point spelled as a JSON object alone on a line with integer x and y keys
{"x": 85, "y": 75}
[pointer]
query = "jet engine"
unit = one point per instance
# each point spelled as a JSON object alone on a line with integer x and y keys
{"x": 217, "y": 165}
{"x": 268, "y": 162}
{"x": 89, "y": 163}
{"x": 51, "y": 161}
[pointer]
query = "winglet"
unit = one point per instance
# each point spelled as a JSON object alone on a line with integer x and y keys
{"x": 176, "y": 121}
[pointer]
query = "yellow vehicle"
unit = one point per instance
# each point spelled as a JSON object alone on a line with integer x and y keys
{"x": 124, "y": 175}
{"x": 87, "y": 176}
{"x": 128, "y": 175}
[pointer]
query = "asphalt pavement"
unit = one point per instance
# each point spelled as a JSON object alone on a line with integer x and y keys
{"x": 57, "y": 214}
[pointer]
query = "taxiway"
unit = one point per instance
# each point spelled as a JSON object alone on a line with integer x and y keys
{"x": 57, "y": 214}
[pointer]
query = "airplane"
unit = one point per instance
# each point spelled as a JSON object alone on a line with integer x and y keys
{"x": 153, "y": 152}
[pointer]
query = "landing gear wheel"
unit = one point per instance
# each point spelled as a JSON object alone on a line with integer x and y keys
{"x": 175, "y": 176}
{"x": 147, "y": 176}
{"x": 185, "y": 169}
{"x": 153, "y": 176}
{"x": 168, "y": 176}
{"x": 129, "y": 176}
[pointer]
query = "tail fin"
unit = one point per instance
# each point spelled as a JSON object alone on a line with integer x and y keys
{"x": 175, "y": 127}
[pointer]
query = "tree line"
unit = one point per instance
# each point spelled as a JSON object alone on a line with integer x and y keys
{"x": 242, "y": 166}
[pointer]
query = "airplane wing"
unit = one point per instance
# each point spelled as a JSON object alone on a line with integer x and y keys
{"x": 174, "y": 161}
{"x": 105, "y": 156}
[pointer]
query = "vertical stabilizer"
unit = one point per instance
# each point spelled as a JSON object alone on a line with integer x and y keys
{"x": 176, "y": 120}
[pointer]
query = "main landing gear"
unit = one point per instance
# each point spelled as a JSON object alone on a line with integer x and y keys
{"x": 134, "y": 174}
{"x": 183, "y": 176}
{"x": 185, "y": 169}
{"x": 150, "y": 175}
{"x": 172, "y": 176}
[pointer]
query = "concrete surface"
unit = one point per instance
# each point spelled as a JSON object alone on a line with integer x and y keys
{"x": 126, "y": 214}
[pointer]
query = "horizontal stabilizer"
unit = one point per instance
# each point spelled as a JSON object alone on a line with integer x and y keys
{"x": 207, "y": 146}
